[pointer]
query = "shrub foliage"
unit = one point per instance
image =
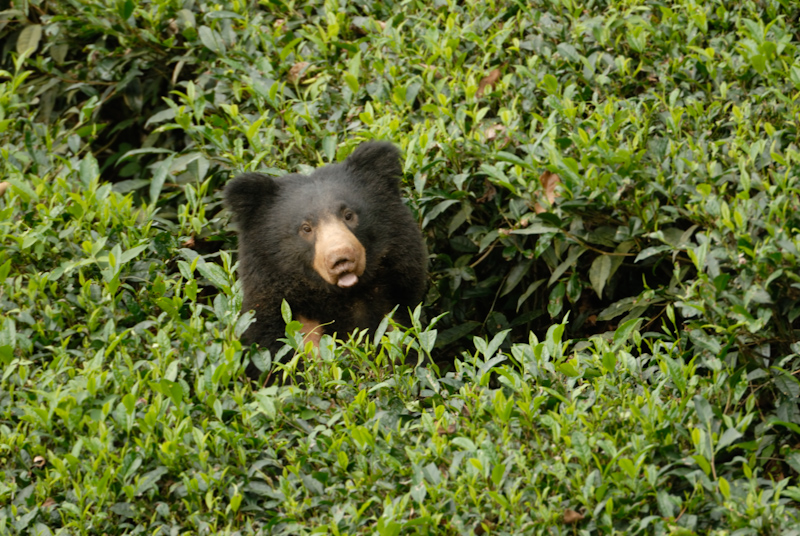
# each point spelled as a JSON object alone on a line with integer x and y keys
{"x": 610, "y": 193}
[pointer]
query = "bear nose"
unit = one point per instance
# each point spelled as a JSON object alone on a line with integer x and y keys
{"x": 342, "y": 260}
{"x": 339, "y": 258}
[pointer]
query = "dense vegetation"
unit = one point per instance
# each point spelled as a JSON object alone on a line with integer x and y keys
{"x": 610, "y": 192}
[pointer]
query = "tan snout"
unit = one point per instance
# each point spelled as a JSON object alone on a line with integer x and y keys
{"x": 339, "y": 257}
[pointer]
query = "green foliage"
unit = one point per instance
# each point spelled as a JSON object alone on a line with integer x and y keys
{"x": 668, "y": 403}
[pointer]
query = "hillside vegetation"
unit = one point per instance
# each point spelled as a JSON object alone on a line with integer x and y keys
{"x": 610, "y": 193}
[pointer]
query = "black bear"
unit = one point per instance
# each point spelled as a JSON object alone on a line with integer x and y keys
{"x": 339, "y": 245}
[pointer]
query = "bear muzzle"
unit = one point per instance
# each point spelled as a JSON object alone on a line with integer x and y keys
{"x": 339, "y": 257}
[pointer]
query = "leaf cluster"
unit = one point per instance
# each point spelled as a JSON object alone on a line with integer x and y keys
{"x": 631, "y": 167}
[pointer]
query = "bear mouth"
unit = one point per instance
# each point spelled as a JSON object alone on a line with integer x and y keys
{"x": 347, "y": 280}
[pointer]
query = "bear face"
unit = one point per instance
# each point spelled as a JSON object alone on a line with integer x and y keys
{"x": 339, "y": 245}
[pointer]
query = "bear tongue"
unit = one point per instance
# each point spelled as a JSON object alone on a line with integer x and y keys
{"x": 347, "y": 280}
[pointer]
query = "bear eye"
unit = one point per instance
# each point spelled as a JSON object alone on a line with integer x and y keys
{"x": 348, "y": 215}
{"x": 306, "y": 228}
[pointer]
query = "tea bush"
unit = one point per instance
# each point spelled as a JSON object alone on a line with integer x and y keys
{"x": 610, "y": 195}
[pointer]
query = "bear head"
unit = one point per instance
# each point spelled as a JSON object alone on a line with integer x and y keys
{"x": 326, "y": 225}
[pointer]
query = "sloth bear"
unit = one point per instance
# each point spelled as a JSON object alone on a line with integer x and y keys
{"x": 339, "y": 245}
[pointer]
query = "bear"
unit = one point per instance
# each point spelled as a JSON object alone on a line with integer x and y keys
{"x": 339, "y": 245}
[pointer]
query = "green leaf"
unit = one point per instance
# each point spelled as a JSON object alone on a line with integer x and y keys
{"x": 787, "y": 384}
{"x": 329, "y": 147}
{"x": 504, "y": 156}
{"x": 599, "y": 274}
{"x": 497, "y": 474}
{"x": 628, "y": 466}
{"x": 211, "y": 39}
{"x": 5, "y": 269}
{"x": 569, "y": 52}
{"x": 574, "y": 254}
{"x": 286, "y": 50}
{"x": 388, "y": 528}
{"x": 418, "y": 491}
{"x": 550, "y": 84}
{"x": 497, "y": 176}
{"x": 455, "y": 333}
{"x": 432, "y": 474}
{"x": 130, "y": 254}
{"x": 28, "y": 39}
{"x": 59, "y": 54}
{"x": 609, "y": 361}
{"x": 791, "y": 426}
{"x": 675, "y": 369}
{"x": 529, "y": 291}
{"x": 651, "y": 251}
{"x": 703, "y": 410}
{"x": 126, "y": 9}
{"x": 352, "y": 82}
{"x": 497, "y": 340}
{"x": 793, "y": 460}
{"x": 724, "y": 488}
{"x": 515, "y": 275}
{"x": 759, "y": 63}
{"x": 214, "y": 273}
{"x": 168, "y": 388}
{"x": 380, "y": 331}
{"x": 427, "y": 340}
{"x": 167, "y": 306}
{"x": 149, "y": 480}
{"x": 24, "y": 188}
{"x": 160, "y": 117}
{"x": 262, "y": 359}
{"x": 464, "y": 444}
{"x": 728, "y": 437}
{"x": 89, "y": 170}
{"x": 581, "y": 446}
{"x": 244, "y": 321}
{"x": 286, "y": 312}
{"x": 123, "y": 187}
{"x": 556, "y": 301}
{"x": 568, "y": 368}
{"x": 124, "y": 509}
{"x": 435, "y": 211}
{"x": 161, "y": 170}
{"x": 353, "y": 72}
{"x": 665, "y": 504}
{"x": 625, "y": 331}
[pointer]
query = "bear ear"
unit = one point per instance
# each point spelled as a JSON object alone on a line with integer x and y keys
{"x": 245, "y": 194}
{"x": 377, "y": 161}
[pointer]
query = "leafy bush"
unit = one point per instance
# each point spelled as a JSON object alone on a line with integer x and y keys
{"x": 610, "y": 194}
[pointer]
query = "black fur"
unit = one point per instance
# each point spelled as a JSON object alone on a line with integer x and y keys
{"x": 275, "y": 263}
